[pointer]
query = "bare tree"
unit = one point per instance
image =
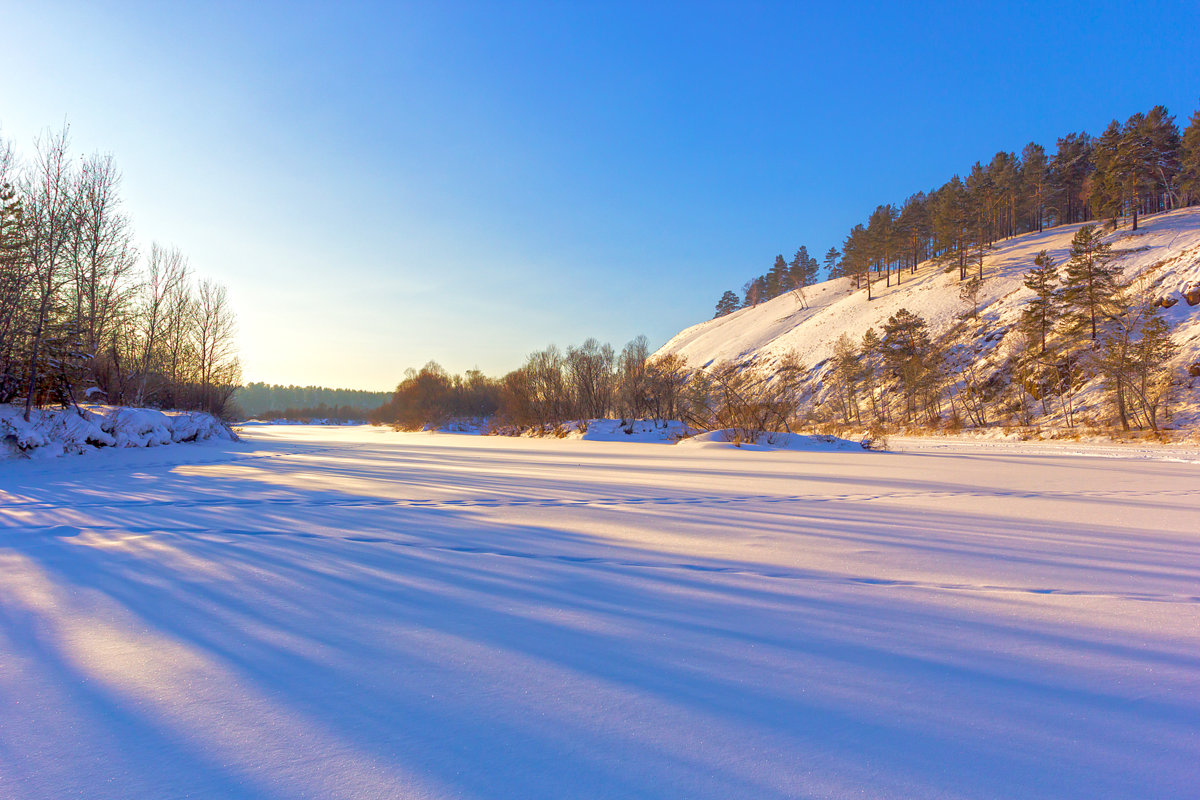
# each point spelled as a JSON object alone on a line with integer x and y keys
{"x": 217, "y": 368}
{"x": 102, "y": 254}
{"x": 166, "y": 277}
{"x": 49, "y": 205}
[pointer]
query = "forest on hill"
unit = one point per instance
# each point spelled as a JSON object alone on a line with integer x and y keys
{"x": 83, "y": 314}
{"x": 1143, "y": 166}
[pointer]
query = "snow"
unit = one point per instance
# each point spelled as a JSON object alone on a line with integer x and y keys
{"x": 351, "y": 612}
{"x": 728, "y": 438}
{"x": 1165, "y": 249}
{"x": 56, "y": 432}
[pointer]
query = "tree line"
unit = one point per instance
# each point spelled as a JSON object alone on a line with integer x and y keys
{"x": 83, "y": 314}
{"x": 594, "y": 381}
{"x": 263, "y": 399}
{"x": 1140, "y": 167}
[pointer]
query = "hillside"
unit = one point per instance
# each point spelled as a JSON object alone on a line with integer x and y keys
{"x": 1165, "y": 251}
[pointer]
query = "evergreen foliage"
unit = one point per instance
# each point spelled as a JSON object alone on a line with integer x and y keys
{"x": 1140, "y": 167}
{"x": 1090, "y": 285}
{"x": 728, "y": 303}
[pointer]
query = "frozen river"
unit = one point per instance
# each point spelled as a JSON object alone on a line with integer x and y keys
{"x": 356, "y": 613}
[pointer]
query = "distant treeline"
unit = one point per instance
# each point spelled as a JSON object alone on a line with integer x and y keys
{"x": 295, "y": 402}
{"x": 83, "y": 314}
{"x": 1140, "y": 167}
{"x": 338, "y": 413}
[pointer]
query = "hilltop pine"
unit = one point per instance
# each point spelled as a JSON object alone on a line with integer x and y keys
{"x": 727, "y": 304}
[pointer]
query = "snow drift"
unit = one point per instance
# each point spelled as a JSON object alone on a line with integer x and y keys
{"x": 56, "y": 432}
{"x": 799, "y": 442}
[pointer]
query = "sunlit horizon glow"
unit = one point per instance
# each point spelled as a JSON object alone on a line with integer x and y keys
{"x": 387, "y": 184}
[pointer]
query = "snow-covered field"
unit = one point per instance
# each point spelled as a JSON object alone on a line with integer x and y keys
{"x": 335, "y": 612}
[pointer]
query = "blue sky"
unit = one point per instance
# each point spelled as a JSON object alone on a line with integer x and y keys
{"x": 381, "y": 184}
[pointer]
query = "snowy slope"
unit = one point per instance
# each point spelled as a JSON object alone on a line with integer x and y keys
{"x": 353, "y": 613}
{"x": 1166, "y": 249}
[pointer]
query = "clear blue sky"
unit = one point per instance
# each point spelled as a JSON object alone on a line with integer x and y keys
{"x": 381, "y": 184}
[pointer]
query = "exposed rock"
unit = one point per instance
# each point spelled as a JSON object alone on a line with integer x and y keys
{"x": 1166, "y": 301}
{"x": 1191, "y": 292}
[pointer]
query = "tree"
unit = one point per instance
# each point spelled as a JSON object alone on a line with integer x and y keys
{"x": 1162, "y": 158}
{"x": 1189, "y": 160}
{"x": 803, "y": 269}
{"x": 218, "y": 371}
{"x": 968, "y": 292}
{"x": 856, "y": 258}
{"x": 847, "y": 373}
{"x": 909, "y": 352}
{"x": 727, "y": 304}
{"x": 589, "y": 369}
{"x": 777, "y": 278}
{"x": 167, "y": 275}
{"x": 1132, "y": 165}
{"x": 666, "y": 379}
{"x": 1035, "y": 185}
{"x": 871, "y": 351}
{"x": 755, "y": 292}
{"x": 832, "y": 267}
{"x": 951, "y": 220}
{"x": 1040, "y": 313}
{"x": 75, "y": 315}
{"x": 1069, "y": 171}
{"x": 1090, "y": 285}
{"x": 1103, "y": 188}
{"x": 632, "y": 384}
{"x": 915, "y": 228}
{"x": 48, "y": 213}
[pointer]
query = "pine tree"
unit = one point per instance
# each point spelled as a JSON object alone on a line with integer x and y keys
{"x": 1104, "y": 188}
{"x": 1132, "y": 165}
{"x": 777, "y": 278}
{"x": 1162, "y": 157}
{"x": 1069, "y": 170}
{"x": 833, "y": 268}
{"x": 909, "y": 352}
{"x": 1189, "y": 160}
{"x": 1039, "y": 315}
{"x": 797, "y": 268}
{"x": 727, "y": 304}
{"x": 915, "y": 228}
{"x": 1035, "y": 184}
{"x": 1090, "y": 286}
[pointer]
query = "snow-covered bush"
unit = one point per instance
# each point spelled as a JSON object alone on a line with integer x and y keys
{"x": 56, "y": 432}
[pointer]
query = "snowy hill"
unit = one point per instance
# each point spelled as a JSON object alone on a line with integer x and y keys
{"x": 1165, "y": 251}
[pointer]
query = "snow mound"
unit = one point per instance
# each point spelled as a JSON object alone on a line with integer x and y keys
{"x": 56, "y": 432}
{"x": 808, "y": 443}
{"x": 645, "y": 431}
{"x": 634, "y": 430}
